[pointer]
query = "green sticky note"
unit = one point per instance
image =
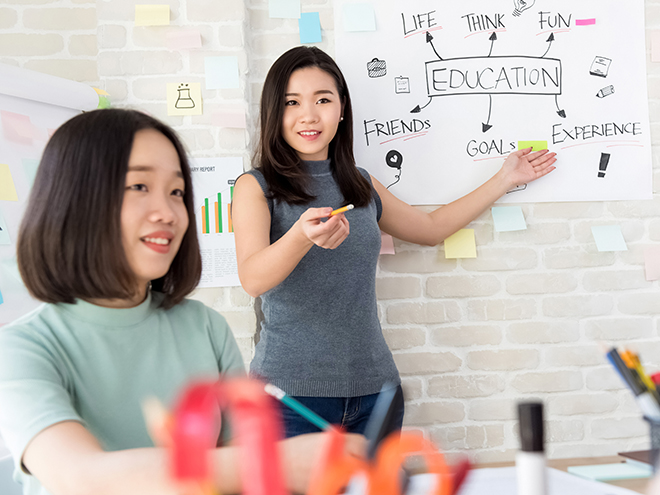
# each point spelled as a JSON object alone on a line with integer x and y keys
{"x": 535, "y": 145}
{"x": 508, "y": 218}
{"x": 461, "y": 245}
{"x": 30, "y": 168}
{"x": 609, "y": 238}
{"x": 608, "y": 472}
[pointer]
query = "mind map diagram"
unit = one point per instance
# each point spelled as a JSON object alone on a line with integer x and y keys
{"x": 507, "y": 80}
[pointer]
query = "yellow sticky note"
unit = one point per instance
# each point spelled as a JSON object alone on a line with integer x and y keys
{"x": 461, "y": 245}
{"x": 535, "y": 145}
{"x": 184, "y": 99}
{"x": 7, "y": 189}
{"x": 152, "y": 15}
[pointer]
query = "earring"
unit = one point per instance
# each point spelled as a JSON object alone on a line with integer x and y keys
{"x": 341, "y": 119}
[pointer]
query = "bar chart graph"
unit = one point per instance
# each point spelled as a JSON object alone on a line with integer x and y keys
{"x": 213, "y": 189}
{"x": 216, "y": 213}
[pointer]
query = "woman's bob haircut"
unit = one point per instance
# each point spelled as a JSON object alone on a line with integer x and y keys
{"x": 70, "y": 241}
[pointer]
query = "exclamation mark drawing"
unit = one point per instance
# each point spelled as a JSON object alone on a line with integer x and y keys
{"x": 604, "y": 160}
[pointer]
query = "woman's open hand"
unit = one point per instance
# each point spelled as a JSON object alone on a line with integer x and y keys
{"x": 523, "y": 166}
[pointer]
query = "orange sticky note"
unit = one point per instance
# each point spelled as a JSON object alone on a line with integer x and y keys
{"x": 7, "y": 188}
{"x": 461, "y": 245}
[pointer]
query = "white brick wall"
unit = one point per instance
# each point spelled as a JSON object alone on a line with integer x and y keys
{"x": 471, "y": 337}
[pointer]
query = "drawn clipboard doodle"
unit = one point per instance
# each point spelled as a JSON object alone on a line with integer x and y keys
{"x": 376, "y": 68}
{"x": 401, "y": 85}
{"x": 600, "y": 67}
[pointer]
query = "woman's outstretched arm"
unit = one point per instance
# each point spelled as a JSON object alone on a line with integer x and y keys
{"x": 413, "y": 225}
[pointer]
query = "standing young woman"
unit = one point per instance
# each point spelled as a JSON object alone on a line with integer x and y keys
{"x": 108, "y": 241}
{"x": 321, "y": 340}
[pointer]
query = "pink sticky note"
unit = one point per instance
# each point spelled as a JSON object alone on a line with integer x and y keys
{"x": 652, "y": 263}
{"x": 585, "y": 22}
{"x": 17, "y": 127}
{"x": 655, "y": 46}
{"x": 229, "y": 117}
{"x": 183, "y": 39}
{"x": 386, "y": 244}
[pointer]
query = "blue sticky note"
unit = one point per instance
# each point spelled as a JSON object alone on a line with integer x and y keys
{"x": 359, "y": 17}
{"x": 508, "y": 218}
{"x": 309, "y": 26}
{"x": 609, "y": 238}
{"x": 221, "y": 72}
{"x": 4, "y": 233}
{"x": 284, "y": 9}
{"x": 1, "y": 300}
{"x": 30, "y": 168}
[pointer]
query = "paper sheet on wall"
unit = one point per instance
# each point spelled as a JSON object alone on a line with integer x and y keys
{"x": 213, "y": 183}
{"x": 443, "y": 91}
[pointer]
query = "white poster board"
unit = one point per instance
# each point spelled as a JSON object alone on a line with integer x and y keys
{"x": 32, "y": 106}
{"x": 443, "y": 91}
{"x": 213, "y": 185}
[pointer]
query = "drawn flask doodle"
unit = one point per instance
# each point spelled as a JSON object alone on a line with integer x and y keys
{"x": 184, "y": 100}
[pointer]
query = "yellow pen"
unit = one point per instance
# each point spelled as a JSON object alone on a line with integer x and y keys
{"x": 637, "y": 365}
{"x": 342, "y": 210}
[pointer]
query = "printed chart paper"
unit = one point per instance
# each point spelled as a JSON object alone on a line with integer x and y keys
{"x": 443, "y": 91}
{"x": 213, "y": 184}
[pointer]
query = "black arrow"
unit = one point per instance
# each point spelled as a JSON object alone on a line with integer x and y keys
{"x": 560, "y": 112}
{"x": 418, "y": 109}
{"x": 485, "y": 127}
{"x": 493, "y": 39}
{"x": 549, "y": 40}
{"x": 429, "y": 39}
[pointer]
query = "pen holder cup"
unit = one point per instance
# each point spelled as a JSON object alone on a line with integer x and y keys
{"x": 654, "y": 435}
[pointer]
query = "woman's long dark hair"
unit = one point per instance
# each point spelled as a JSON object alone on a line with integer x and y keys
{"x": 278, "y": 162}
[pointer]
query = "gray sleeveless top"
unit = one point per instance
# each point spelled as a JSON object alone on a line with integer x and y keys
{"x": 320, "y": 336}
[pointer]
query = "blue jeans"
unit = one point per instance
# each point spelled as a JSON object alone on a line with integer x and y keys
{"x": 351, "y": 413}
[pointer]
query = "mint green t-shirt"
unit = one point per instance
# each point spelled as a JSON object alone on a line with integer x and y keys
{"x": 95, "y": 365}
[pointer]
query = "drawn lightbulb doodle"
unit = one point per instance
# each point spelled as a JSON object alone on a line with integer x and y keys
{"x": 184, "y": 100}
{"x": 521, "y": 6}
{"x": 394, "y": 159}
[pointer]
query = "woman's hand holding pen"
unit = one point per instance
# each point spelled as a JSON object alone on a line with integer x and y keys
{"x": 523, "y": 166}
{"x": 327, "y": 234}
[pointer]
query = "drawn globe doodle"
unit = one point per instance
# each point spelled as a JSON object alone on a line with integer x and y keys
{"x": 394, "y": 159}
